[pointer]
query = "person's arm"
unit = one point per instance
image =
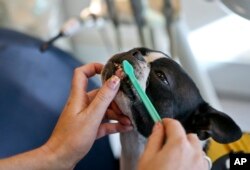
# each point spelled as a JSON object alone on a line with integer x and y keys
{"x": 78, "y": 126}
{"x": 37, "y": 159}
{"x": 169, "y": 148}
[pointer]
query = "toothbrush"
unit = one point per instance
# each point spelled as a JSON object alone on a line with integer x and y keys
{"x": 129, "y": 71}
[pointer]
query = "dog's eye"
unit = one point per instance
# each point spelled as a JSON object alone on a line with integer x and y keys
{"x": 162, "y": 76}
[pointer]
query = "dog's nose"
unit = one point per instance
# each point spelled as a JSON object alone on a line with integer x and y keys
{"x": 137, "y": 54}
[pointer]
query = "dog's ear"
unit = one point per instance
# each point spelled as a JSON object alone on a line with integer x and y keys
{"x": 209, "y": 122}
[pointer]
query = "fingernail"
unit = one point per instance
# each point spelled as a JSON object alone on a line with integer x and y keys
{"x": 156, "y": 126}
{"x": 113, "y": 82}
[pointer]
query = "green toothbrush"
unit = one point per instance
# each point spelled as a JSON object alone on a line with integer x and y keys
{"x": 129, "y": 70}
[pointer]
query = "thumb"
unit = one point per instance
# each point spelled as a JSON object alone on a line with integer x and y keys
{"x": 104, "y": 97}
{"x": 155, "y": 140}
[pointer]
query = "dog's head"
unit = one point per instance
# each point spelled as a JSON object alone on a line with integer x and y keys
{"x": 173, "y": 94}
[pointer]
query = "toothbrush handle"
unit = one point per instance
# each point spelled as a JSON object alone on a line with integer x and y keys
{"x": 149, "y": 106}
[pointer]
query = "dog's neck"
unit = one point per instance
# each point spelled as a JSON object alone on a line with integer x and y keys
{"x": 132, "y": 146}
{"x": 132, "y": 142}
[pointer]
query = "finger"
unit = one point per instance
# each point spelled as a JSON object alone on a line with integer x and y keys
{"x": 110, "y": 128}
{"x": 92, "y": 94}
{"x": 81, "y": 75}
{"x": 111, "y": 115}
{"x": 174, "y": 129}
{"x": 155, "y": 140}
{"x": 78, "y": 98}
{"x": 194, "y": 140}
{"x": 102, "y": 100}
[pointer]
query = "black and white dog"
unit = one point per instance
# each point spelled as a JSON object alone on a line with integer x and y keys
{"x": 173, "y": 94}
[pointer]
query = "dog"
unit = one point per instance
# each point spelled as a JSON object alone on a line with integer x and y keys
{"x": 174, "y": 95}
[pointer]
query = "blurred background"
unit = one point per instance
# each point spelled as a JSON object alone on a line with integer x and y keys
{"x": 210, "y": 41}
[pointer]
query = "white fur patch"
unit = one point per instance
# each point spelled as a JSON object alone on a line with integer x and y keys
{"x": 142, "y": 72}
{"x": 152, "y": 56}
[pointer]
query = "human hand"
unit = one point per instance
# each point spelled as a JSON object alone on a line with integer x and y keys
{"x": 178, "y": 152}
{"x": 80, "y": 123}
